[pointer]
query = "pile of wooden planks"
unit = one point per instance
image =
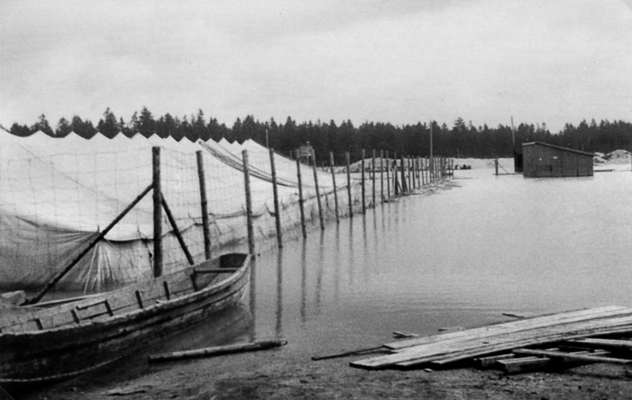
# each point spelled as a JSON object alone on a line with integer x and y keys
{"x": 513, "y": 342}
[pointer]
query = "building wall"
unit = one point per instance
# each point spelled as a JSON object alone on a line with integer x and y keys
{"x": 543, "y": 161}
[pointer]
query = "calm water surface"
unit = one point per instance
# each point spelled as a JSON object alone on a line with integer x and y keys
{"x": 457, "y": 257}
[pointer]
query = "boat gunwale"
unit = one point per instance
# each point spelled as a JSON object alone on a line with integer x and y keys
{"x": 118, "y": 319}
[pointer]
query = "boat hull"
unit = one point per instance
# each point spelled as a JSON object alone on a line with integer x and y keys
{"x": 56, "y": 354}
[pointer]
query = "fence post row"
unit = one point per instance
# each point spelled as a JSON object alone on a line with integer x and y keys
{"x": 333, "y": 181}
{"x": 251, "y": 236}
{"x": 277, "y": 214}
{"x": 300, "y": 194}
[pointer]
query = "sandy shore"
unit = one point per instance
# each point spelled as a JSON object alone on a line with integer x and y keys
{"x": 278, "y": 374}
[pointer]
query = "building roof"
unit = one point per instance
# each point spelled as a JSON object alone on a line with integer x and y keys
{"x": 562, "y": 148}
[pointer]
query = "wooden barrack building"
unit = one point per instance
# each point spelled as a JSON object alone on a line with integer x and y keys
{"x": 548, "y": 160}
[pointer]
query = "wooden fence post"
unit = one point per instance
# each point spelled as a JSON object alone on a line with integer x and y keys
{"x": 373, "y": 176}
{"x": 176, "y": 231}
{"x": 411, "y": 182}
{"x": 396, "y": 190}
{"x": 404, "y": 186}
{"x": 333, "y": 181}
{"x": 363, "y": 188}
{"x": 382, "y": 175}
{"x": 157, "y": 211}
{"x": 203, "y": 205}
{"x": 277, "y": 213}
{"x": 418, "y": 159}
{"x": 320, "y": 206}
{"x": 349, "y": 198}
{"x": 300, "y": 194}
{"x": 388, "y": 178}
{"x": 251, "y": 232}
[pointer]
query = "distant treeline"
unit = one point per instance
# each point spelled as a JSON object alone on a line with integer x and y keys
{"x": 460, "y": 139}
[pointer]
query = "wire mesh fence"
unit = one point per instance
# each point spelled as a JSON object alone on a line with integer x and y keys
{"x": 58, "y": 194}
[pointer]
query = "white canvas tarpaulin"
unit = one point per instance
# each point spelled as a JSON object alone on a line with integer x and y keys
{"x": 56, "y": 194}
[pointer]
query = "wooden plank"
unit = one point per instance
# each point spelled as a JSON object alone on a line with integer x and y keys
{"x": 524, "y": 323}
{"x": 215, "y": 270}
{"x": 459, "y": 345}
{"x": 350, "y": 353}
{"x": 603, "y": 343}
{"x": 218, "y": 350}
{"x": 489, "y": 361}
{"x": 522, "y": 339}
{"x": 522, "y": 364}
{"x": 572, "y": 356}
{"x": 530, "y": 363}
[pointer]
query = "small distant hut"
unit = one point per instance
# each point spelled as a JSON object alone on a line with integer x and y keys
{"x": 305, "y": 152}
{"x": 548, "y": 160}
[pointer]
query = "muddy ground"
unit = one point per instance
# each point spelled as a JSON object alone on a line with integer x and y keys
{"x": 278, "y": 374}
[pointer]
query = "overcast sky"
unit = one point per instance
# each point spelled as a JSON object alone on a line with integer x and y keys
{"x": 399, "y": 61}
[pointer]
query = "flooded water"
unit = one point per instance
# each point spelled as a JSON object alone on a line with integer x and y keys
{"x": 456, "y": 257}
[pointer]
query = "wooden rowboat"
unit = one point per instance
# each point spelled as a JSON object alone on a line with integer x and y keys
{"x": 54, "y": 341}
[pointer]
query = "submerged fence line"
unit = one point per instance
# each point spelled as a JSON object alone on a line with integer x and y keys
{"x": 206, "y": 197}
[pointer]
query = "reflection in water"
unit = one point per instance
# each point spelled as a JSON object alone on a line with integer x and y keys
{"x": 319, "y": 274}
{"x": 458, "y": 257}
{"x": 351, "y": 262}
{"x": 253, "y": 297}
{"x": 279, "y": 309}
{"x": 337, "y": 265}
{"x": 303, "y": 279}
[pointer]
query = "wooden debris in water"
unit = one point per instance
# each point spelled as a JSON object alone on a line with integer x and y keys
{"x": 404, "y": 335}
{"x": 218, "y": 350}
{"x": 357, "y": 352}
{"x": 449, "y": 348}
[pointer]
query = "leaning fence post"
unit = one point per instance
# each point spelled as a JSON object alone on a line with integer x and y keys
{"x": 300, "y": 194}
{"x": 157, "y": 211}
{"x": 333, "y": 181}
{"x": 382, "y": 175}
{"x": 348, "y": 160}
{"x": 388, "y": 178}
{"x": 320, "y": 206}
{"x": 373, "y": 176}
{"x": 363, "y": 189}
{"x": 277, "y": 214}
{"x": 176, "y": 230}
{"x": 251, "y": 233}
{"x": 203, "y": 205}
